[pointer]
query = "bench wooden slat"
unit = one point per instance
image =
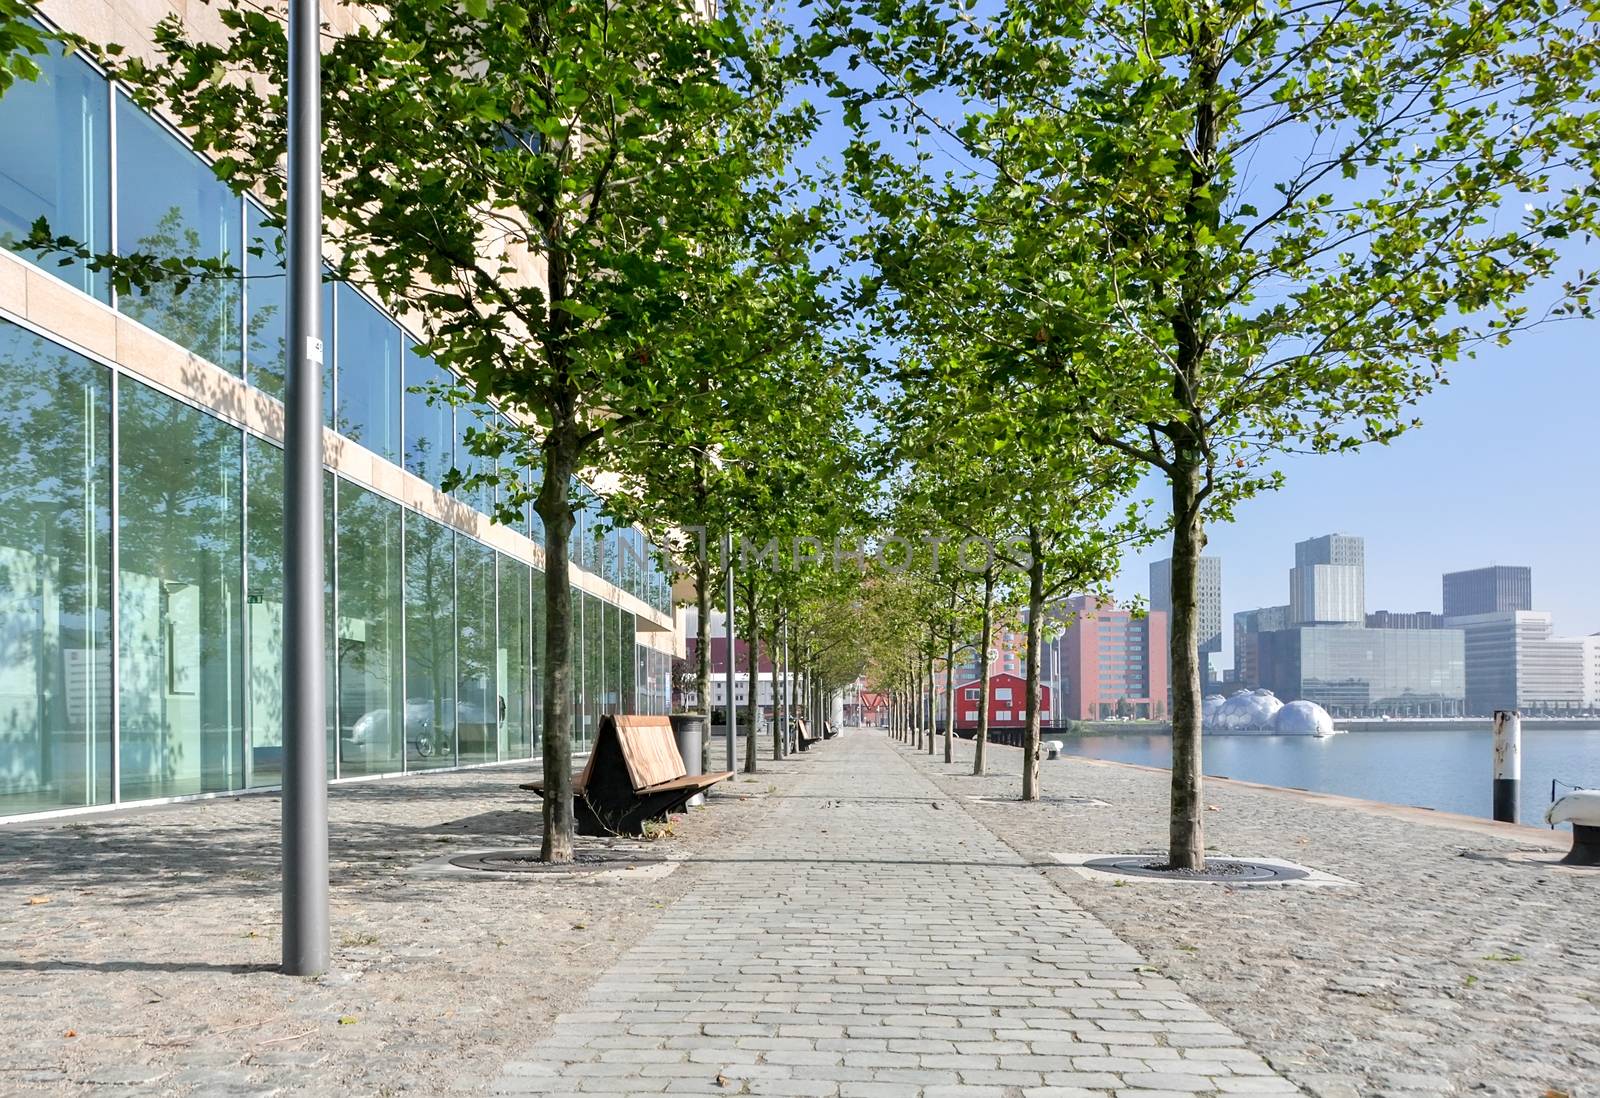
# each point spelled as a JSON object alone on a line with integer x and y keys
{"x": 689, "y": 781}
{"x": 649, "y": 749}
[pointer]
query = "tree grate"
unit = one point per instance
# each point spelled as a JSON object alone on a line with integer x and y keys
{"x": 527, "y": 861}
{"x": 1216, "y": 871}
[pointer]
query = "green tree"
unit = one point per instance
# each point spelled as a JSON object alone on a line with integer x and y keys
{"x": 1236, "y": 230}
{"x": 532, "y": 185}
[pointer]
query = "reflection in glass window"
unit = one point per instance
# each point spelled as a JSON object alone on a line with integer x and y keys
{"x": 169, "y": 204}
{"x": 370, "y": 612}
{"x": 266, "y": 307}
{"x": 610, "y": 698}
{"x": 430, "y": 717}
{"x": 536, "y": 625}
{"x": 514, "y": 660}
{"x": 477, "y": 693}
{"x": 575, "y": 645}
{"x": 55, "y": 576}
{"x": 60, "y": 119}
{"x": 593, "y": 642}
{"x": 368, "y": 354}
{"x": 264, "y": 611}
{"x": 473, "y": 418}
{"x": 626, "y": 664}
{"x": 180, "y": 627}
{"x": 430, "y": 426}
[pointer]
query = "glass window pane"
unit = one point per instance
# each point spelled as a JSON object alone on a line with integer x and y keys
{"x": 264, "y": 610}
{"x": 430, "y": 430}
{"x": 169, "y": 204}
{"x": 479, "y": 498}
{"x": 370, "y": 611}
{"x": 514, "y": 660}
{"x": 575, "y": 644}
{"x": 266, "y": 305}
{"x": 55, "y": 577}
{"x": 430, "y": 644}
{"x": 369, "y": 375}
{"x": 180, "y": 633}
{"x": 536, "y": 673}
{"x": 593, "y": 665}
{"x": 627, "y": 665}
{"x": 611, "y": 693}
{"x": 60, "y": 120}
{"x": 478, "y": 695}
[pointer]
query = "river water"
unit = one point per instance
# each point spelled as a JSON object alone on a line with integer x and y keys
{"x": 1451, "y": 771}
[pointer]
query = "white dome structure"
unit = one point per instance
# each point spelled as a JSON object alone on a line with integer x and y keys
{"x": 1247, "y": 711}
{"x": 1302, "y": 718}
{"x": 1210, "y": 706}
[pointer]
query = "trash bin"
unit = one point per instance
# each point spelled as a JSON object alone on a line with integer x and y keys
{"x": 687, "y": 729}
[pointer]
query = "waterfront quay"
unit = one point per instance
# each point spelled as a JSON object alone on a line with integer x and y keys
{"x": 861, "y": 920}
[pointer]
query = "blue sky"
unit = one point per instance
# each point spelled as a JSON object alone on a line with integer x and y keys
{"x": 1504, "y": 470}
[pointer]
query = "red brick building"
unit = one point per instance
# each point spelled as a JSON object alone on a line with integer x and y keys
{"x": 1008, "y": 703}
{"x": 1112, "y": 663}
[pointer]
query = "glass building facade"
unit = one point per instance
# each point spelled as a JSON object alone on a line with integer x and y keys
{"x": 1356, "y": 672}
{"x": 141, "y": 575}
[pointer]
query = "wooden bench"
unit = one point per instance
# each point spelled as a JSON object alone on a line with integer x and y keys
{"x": 634, "y": 774}
{"x": 828, "y": 730}
{"x": 802, "y": 734}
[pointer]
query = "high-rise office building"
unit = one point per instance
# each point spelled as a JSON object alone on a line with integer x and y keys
{"x": 1112, "y": 663}
{"x": 1497, "y": 589}
{"x": 1514, "y": 662}
{"x": 1208, "y": 603}
{"x": 1327, "y": 585}
{"x": 1248, "y": 625}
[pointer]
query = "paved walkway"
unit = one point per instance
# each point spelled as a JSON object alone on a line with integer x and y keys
{"x": 870, "y": 939}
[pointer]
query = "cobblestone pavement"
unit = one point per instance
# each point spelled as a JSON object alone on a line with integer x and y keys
{"x": 868, "y": 938}
{"x": 1448, "y": 969}
{"x": 138, "y": 950}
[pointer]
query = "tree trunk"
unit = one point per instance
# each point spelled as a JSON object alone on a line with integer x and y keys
{"x": 752, "y": 660}
{"x": 933, "y": 712}
{"x": 1030, "y": 735}
{"x": 980, "y": 738}
{"x": 554, "y": 504}
{"x": 1187, "y": 837}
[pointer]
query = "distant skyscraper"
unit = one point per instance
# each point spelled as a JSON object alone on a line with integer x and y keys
{"x": 1208, "y": 602}
{"x": 1497, "y": 589}
{"x": 1328, "y": 583}
{"x": 1248, "y": 625}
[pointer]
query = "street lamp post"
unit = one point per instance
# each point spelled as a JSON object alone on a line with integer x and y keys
{"x": 305, "y": 773}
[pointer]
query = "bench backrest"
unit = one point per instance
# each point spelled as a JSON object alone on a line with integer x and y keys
{"x": 801, "y": 729}
{"x": 648, "y": 748}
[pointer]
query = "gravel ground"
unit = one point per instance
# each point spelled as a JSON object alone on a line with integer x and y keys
{"x": 138, "y": 950}
{"x": 1437, "y": 974}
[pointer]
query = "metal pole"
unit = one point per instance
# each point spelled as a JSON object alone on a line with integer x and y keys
{"x": 788, "y": 725}
{"x": 305, "y": 773}
{"x": 732, "y": 723}
{"x": 1507, "y": 764}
